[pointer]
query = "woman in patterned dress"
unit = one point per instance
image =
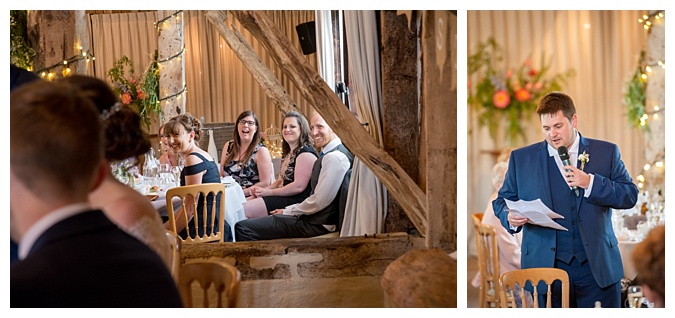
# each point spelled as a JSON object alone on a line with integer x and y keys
{"x": 244, "y": 157}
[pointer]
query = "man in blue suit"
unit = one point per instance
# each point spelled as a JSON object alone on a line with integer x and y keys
{"x": 589, "y": 250}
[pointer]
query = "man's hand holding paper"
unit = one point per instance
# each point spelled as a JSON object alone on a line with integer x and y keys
{"x": 535, "y": 212}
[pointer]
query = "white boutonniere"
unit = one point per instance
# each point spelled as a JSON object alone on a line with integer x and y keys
{"x": 584, "y": 158}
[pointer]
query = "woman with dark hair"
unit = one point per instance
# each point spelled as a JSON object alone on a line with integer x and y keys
{"x": 244, "y": 157}
{"x": 124, "y": 139}
{"x": 292, "y": 186}
{"x": 184, "y": 133}
{"x": 167, "y": 155}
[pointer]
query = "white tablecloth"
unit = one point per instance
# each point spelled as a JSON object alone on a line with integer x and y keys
{"x": 234, "y": 200}
{"x": 626, "y": 250}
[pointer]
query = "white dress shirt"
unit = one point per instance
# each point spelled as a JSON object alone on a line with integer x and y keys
{"x": 574, "y": 155}
{"x": 333, "y": 168}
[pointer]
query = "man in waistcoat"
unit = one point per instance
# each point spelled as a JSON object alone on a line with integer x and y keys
{"x": 318, "y": 214}
{"x": 584, "y": 191}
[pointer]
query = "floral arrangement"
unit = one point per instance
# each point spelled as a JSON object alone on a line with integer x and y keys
{"x": 141, "y": 92}
{"x": 510, "y": 94}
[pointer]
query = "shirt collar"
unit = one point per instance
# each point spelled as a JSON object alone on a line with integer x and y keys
{"x": 47, "y": 221}
{"x": 574, "y": 149}
{"x": 332, "y": 144}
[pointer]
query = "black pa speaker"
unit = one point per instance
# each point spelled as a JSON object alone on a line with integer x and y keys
{"x": 307, "y": 37}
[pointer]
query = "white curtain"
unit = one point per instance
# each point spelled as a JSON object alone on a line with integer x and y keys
{"x": 367, "y": 198}
{"x": 324, "y": 47}
{"x": 601, "y": 46}
{"x": 114, "y": 35}
{"x": 219, "y": 86}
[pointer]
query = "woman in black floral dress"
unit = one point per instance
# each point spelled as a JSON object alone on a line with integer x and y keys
{"x": 244, "y": 157}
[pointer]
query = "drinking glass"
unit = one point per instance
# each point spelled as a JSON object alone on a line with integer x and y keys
{"x": 634, "y": 296}
{"x": 176, "y": 174}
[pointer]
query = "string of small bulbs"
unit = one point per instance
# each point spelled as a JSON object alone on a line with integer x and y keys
{"x": 647, "y": 24}
{"x": 164, "y": 24}
{"x": 46, "y": 72}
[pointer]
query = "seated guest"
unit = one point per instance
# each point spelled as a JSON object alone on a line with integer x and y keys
{"x": 70, "y": 255}
{"x": 318, "y": 214}
{"x": 123, "y": 138}
{"x": 184, "y": 132}
{"x": 508, "y": 245}
{"x": 167, "y": 155}
{"x": 649, "y": 257}
{"x": 244, "y": 157}
{"x": 292, "y": 186}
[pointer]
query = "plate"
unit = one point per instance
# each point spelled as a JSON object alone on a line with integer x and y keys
{"x": 151, "y": 197}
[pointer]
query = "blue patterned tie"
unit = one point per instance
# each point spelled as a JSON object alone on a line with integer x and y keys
{"x": 321, "y": 154}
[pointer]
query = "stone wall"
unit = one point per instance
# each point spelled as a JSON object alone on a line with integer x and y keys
{"x": 315, "y": 273}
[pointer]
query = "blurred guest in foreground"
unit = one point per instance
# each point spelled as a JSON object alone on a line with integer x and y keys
{"x": 70, "y": 254}
{"x": 244, "y": 157}
{"x": 123, "y": 138}
{"x": 17, "y": 77}
{"x": 292, "y": 186}
{"x": 649, "y": 257}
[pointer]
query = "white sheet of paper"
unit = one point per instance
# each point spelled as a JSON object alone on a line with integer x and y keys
{"x": 537, "y": 212}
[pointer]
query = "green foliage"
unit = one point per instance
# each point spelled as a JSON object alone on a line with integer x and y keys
{"x": 140, "y": 92}
{"x": 635, "y": 96}
{"x": 20, "y": 52}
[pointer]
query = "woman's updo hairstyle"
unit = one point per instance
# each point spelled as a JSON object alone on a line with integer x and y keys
{"x": 124, "y": 137}
{"x": 188, "y": 122}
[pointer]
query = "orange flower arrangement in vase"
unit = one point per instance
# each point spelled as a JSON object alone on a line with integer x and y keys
{"x": 510, "y": 95}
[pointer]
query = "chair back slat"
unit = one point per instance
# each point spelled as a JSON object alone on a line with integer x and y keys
{"x": 203, "y": 274}
{"x": 202, "y": 225}
{"x": 517, "y": 279}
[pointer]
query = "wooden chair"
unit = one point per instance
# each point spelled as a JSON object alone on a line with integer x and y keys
{"x": 198, "y": 223}
{"x": 223, "y": 277}
{"x": 488, "y": 262}
{"x": 508, "y": 281}
{"x": 477, "y": 218}
{"x": 174, "y": 243}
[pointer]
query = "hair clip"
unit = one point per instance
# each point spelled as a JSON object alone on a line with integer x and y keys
{"x": 108, "y": 112}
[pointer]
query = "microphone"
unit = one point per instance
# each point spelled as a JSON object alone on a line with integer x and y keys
{"x": 565, "y": 157}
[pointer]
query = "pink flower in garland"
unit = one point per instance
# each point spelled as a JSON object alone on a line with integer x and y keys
{"x": 501, "y": 99}
{"x": 126, "y": 98}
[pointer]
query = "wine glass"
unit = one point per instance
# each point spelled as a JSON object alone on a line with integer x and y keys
{"x": 176, "y": 174}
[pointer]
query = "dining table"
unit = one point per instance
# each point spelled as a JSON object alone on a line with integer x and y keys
{"x": 234, "y": 200}
{"x": 627, "y": 241}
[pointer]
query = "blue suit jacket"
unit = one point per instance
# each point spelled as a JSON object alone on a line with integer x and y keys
{"x": 527, "y": 179}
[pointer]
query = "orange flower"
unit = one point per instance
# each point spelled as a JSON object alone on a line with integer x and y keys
{"x": 501, "y": 99}
{"x": 139, "y": 94}
{"x": 126, "y": 98}
{"x": 523, "y": 95}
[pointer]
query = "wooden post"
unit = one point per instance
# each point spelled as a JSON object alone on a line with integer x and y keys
{"x": 439, "y": 108}
{"x": 171, "y": 64}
